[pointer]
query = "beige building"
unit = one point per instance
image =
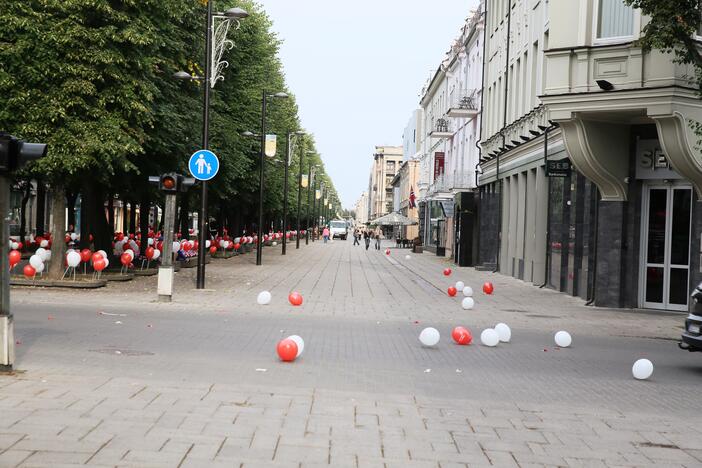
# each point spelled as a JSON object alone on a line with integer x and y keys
{"x": 405, "y": 184}
{"x": 386, "y": 163}
{"x": 362, "y": 209}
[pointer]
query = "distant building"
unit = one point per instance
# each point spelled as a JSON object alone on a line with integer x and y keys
{"x": 411, "y": 137}
{"x": 404, "y": 184}
{"x": 362, "y": 209}
{"x": 386, "y": 163}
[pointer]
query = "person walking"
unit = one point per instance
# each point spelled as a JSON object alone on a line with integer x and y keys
{"x": 325, "y": 234}
{"x": 366, "y": 238}
{"x": 356, "y": 236}
{"x": 378, "y": 236}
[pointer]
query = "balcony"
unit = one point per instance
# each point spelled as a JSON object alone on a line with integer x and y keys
{"x": 439, "y": 185}
{"x": 441, "y": 130}
{"x": 465, "y": 106}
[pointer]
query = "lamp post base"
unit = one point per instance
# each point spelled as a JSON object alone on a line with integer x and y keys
{"x": 165, "y": 284}
{"x": 7, "y": 343}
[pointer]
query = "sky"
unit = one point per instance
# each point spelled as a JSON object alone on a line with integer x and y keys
{"x": 357, "y": 69}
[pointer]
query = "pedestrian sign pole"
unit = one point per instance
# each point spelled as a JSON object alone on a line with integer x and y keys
{"x": 203, "y": 166}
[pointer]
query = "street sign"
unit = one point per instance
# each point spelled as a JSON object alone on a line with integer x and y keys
{"x": 560, "y": 168}
{"x": 203, "y": 165}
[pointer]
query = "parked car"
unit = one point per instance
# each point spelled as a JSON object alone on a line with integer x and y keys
{"x": 691, "y": 337}
{"x": 338, "y": 228}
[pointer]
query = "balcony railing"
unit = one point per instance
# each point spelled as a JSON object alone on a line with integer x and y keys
{"x": 464, "y": 105}
{"x": 449, "y": 182}
{"x": 441, "y": 130}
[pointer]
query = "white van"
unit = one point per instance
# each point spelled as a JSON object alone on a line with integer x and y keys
{"x": 338, "y": 228}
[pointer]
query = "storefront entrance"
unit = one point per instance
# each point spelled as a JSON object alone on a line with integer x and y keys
{"x": 665, "y": 251}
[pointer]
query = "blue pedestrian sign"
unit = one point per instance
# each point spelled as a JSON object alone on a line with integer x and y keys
{"x": 203, "y": 165}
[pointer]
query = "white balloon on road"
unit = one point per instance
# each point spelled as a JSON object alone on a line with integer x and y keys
{"x": 504, "y": 332}
{"x": 407, "y": 257}
{"x": 429, "y": 336}
{"x": 264, "y": 298}
{"x": 642, "y": 369}
{"x": 563, "y": 339}
{"x": 489, "y": 337}
{"x": 467, "y": 303}
{"x": 460, "y": 285}
{"x": 468, "y": 291}
{"x": 73, "y": 259}
{"x": 35, "y": 260}
{"x": 299, "y": 342}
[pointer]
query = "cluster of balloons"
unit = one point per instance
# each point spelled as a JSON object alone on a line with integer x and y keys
{"x": 493, "y": 336}
{"x": 37, "y": 262}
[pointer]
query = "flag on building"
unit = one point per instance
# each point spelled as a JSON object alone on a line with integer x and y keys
{"x": 412, "y": 204}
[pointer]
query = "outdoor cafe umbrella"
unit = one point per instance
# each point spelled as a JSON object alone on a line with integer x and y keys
{"x": 393, "y": 219}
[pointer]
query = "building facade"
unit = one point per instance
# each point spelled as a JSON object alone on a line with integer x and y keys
{"x": 404, "y": 185}
{"x": 386, "y": 163}
{"x": 590, "y": 175}
{"x": 362, "y": 209}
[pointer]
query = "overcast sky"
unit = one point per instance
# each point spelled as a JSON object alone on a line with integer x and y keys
{"x": 357, "y": 68}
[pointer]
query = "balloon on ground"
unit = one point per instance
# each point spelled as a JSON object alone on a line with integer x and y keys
{"x": 468, "y": 291}
{"x": 287, "y": 350}
{"x": 462, "y": 336}
{"x": 429, "y": 336}
{"x": 467, "y": 303}
{"x": 642, "y": 369}
{"x": 451, "y": 291}
{"x": 299, "y": 342}
{"x": 264, "y": 298}
{"x": 460, "y": 285}
{"x": 489, "y": 337}
{"x": 447, "y": 272}
{"x": 295, "y": 298}
{"x": 563, "y": 339}
{"x": 488, "y": 288}
{"x": 504, "y": 332}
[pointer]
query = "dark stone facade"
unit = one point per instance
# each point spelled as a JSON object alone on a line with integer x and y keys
{"x": 488, "y": 214}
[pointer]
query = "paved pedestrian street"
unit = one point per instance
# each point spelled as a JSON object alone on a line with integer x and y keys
{"x": 112, "y": 377}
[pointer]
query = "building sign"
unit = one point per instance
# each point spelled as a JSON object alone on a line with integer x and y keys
{"x": 438, "y": 164}
{"x": 652, "y": 163}
{"x": 270, "y": 148}
{"x": 304, "y": 181}
{"x": 560, "y": 168}
{"x": 448, "y": 207}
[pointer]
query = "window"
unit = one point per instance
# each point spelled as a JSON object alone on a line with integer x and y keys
{"x": 614, "y": 19}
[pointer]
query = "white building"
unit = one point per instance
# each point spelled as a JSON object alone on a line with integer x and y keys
{"x": 361, "y": 209}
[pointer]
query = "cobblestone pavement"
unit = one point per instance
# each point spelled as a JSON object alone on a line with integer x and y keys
{"x": 114, "y": 378}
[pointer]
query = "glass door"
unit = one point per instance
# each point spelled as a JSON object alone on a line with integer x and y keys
{"x": 666, "y": 246}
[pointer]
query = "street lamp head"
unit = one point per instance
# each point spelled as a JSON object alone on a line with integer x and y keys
{"x": 280, "y": 95}
{"x": 248, "y": 134}
{"x": 181, "y": 75}
{"x": 300, "y": 133}
{"x": 237, "y": 13}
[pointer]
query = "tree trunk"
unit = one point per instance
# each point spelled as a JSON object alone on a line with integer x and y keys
{"x": 125, "y": 218}
{"x": 144, "y": 212}
{"x": 58, "y": 230}
{"x": 85, "y": 227}
{"x": 41, "y": 208}
{"x": 132, "y": 217}
{"x": 23, "y": 211}
{"x": 71, "y": 198}
{"x": 101, "y": 230}
{"x": 183, "y": 216}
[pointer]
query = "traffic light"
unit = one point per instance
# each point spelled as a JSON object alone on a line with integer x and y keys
{"x": 15, "y": 153}
{"x": 172, "y": 182}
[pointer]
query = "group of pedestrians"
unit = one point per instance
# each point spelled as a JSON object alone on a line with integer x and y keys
{"x": 367, "y": 235}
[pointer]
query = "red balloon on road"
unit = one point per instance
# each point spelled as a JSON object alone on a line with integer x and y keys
{"x": 85, "y": 255}
{"x": 295, "y": 298}
{"x": 99, "y": 264}
{"x": 452, "y": 291}
{"x": 488, "y": 288}
{"x": 387, "y": 251}
{"x": 287, "y": 350}
{"x": 447, "y": 272}
{"x": 462, "y": 336}
{"x": 15, "y": 258}
{"x": 149, "y": 253}
{"x": 29, "y": 272}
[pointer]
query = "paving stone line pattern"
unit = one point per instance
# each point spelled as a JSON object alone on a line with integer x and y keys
{"x": 197, "y": 384}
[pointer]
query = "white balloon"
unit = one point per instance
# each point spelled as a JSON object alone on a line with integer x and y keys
{"x": 157, "y": 253}
{"x": 35, "y": 260}
{"x": 468, "y": 291}
{"x": 299, "y": 342}
{"x": 221, "y": 243}
{"x": 429, "y": 336}
{"x": 103, "y": 253}
{"x": 237, "y": 240}
{"x": 14, "y": 245}
{"x": 264, "y": 298}
{"x": 467, "y": 303}
{"x": 176, "y": 246}
{"x": 39, "y": 268}
{"x": 107, "y": 261}
{"x": 47, "y": 255}
{"x": 208, "y": 244}
{"x": 73, "y": 259}
{"x": 42, "y": 253}
{"x": 275, "y": 243}
{"x": 44, "y": 243}
{"x": 407, "y": 257}
{"x": 74, "y": 236}
{"x": 489, "y": 337}
{"x": 642, "y": 369}
{"x": 460, "y": 285}
{"x": 563, "y": 339}
{"x": 150, "y": 241}
{"x": 504, "y": 332}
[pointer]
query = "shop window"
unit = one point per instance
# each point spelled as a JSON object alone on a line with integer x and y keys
{"x": 614, "y": 19}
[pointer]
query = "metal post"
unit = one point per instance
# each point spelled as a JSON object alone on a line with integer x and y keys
{"x": 299, "y": 195}
{"x": 285, "y": 192}
{"x": 314, "y": 209}
{"x": 309, "y": 191}
{"x": 203, "y": 221}
{"x": 259, "y": 247}
{"x": 7, "y": 340}
{"x": 165, "y": 271}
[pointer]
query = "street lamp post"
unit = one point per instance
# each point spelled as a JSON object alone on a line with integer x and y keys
{"x": 288, "y": 161}
{"x": 264, "y": 103}
{"x": 299, "y": 200}
{"x": 310, "y": 175}
{"x": 212, "y": 75}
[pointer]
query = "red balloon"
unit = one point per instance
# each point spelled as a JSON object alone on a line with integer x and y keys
{"x": 125, "y": 259}
{"x": 149, "y": 253}
{"x": 90, "y": 237}
{"x": 29, "y": 272}
{"x": 295, "y": 298}
{"x": 96, "y": 256}
{"x": 21, "y": 245}
{"x": 452, "y": 291}
{"x": 187, "y": 246}
{"x": 237, "y": 246}
{"x": 462, "y": 336}
{"x": 15, "y": 258}
{"x": 287, "y": 235}
{"x": 488, "y": 288}
{"x": 213, "y": 250}
{"x": 387, "y": 251}
{"x": 287, "y": 350}
{"x": 120, "y": 236}
{"x": 447, "y": 272}
{"x": 85, "y": 255}
{"x": 68, "y": 238}
{"x": 196, "y": 244}
{"x": 99, "y": 264}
